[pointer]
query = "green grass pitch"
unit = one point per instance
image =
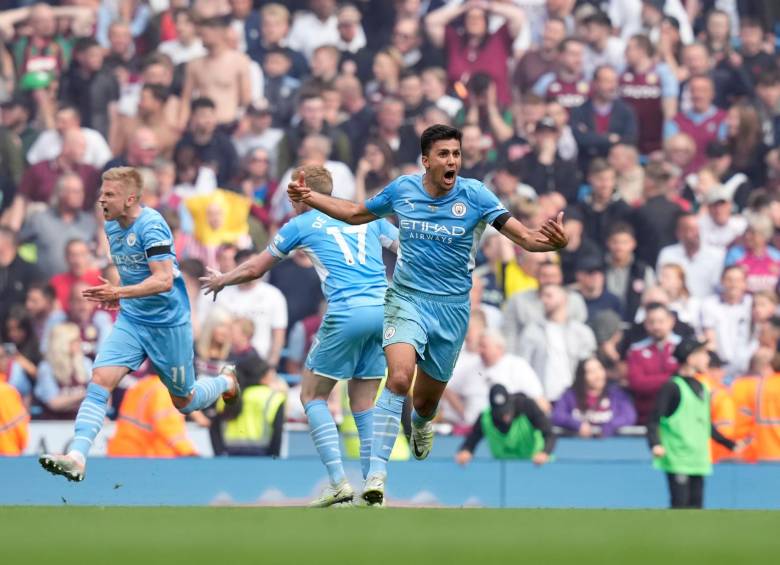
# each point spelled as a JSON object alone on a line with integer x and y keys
{"x": 226, "y": 536}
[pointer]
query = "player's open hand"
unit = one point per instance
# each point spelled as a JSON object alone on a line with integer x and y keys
{"x": 212, "y": 282}
{"x": 297, "y": 189}
{"x": 105, "y": 293}
{"x": 551, "y": 234}
{"x": 658, "y": 451}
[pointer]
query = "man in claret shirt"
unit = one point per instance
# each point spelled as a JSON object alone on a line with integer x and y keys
{"x": 567, "y": 85}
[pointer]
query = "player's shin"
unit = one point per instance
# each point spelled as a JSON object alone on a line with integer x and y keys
{"x": 323, "y": 432}
{"x": 89, "y": 420}
{"x": 387, "y": 423}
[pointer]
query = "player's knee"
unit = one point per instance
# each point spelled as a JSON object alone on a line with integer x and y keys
{"x": 183, "y": 404}
{"x": 399, "y": 381}
{"x": 425, "y": 406}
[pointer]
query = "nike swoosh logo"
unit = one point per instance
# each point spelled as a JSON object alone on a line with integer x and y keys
{"x": 416, "y": 452}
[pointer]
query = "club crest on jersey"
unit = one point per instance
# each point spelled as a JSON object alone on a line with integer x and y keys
{"x": 389, "y": 332}
{"x": 459, "y": 209}
{"x": 131, "y": 239}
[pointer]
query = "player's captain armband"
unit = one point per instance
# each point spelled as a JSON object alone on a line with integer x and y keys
{"x": 159, "y": 250}
{"x": 499, "y": 222}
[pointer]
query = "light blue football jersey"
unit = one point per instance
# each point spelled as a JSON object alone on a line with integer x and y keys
{"x": 348, "y": 259}
{"x": 129, "y": 249}
{"x": 439, "y": 236}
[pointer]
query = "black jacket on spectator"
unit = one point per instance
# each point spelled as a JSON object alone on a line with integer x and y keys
{"x": 562, "y": 176}
{"x": 299, "y": 68}
{"x": 91, "y": 95}
{"x": 409, "y": 147}
{"x": 569, "y": 258}
{"x": 637, "y": 332}
{"x": 219, "y": 152}
{"x": 654, "y": 224}
{"x": 634, "y": 289}
{"x": 14, "y": 281}
{"x": 358, "y": 128}
{"x": 596, "y": 224}
{"x": 591, "y": 143}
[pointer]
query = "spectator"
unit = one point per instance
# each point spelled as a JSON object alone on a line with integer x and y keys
{"x": 434, "y": 84}
{"x": 18, "y": 333}
{"x": 49, "y": 144}
{"x": 274, "y": 31}
{"x": 149, "y": 425}
{"x": 314, "y": 27}
{"x": 156, "y": 69}
{"x": 265, "y": 306}
{"x": 718, "y": 226}
{"x": 497, "y": 366}
{"x": 546, "y": 170}
{"x": 15, "y": 118}
{"x": 244, "y": 23}
{"x": 609, "y": 335}
{"x": 567, "y": 85}
{"x": 687, "y": 308}
{"x": 212, "y": 348}
{"x": 651, "y": 88}
{"x": 759, "y": 260}
{"x": 280, "y": 86}
{"x": 482, "y": 110}
{"x": 755, "y": 60}
{"x": 360, "y": 116}
{"x": 257, "y": 185}
{"x": 630, "y": 175}
{"x": 386, "y": 69}
{"x": 591, "y": 284}
{"x": 352, "y": 38}
{"x": 655, "y": 220}
{"x": 376, "y": 169}
{"x": 39, "y": 181}
{"x": 523, "y": 308}
{"x": 554, "y": 346}
{"x": 223, "y": 76}
{"x": 745, "y": 143}
{"x": 626, "y": 276}
{"x": 61, "y": 383}
{"x": 311, "y": 110}
{"x": 702, "y": 263}
{"x": 44, "y": 50}
{"x": 540, "y": 60}
{"x": 603, "y": 120}
{"x": 603, "y": 207}
{"x": 726, "y": 319}
{"x": 472, "y": 48}
{"x": 579, "y": 245}
{"x": 768, "y": 106}
{"x": 186, "y": 45}
{"x": 730, "y": 81}
{"x": 299, "y": 342}
{"x": 679, "y": 150}
{"x": 44, "y": 312}
{"x": 650, "y": 361}
{"x": 252, "y": 426}
{"x": 603, "y": 47}
{"x": 14, "y": 422}
{"x": 80, "y": 269}
{"x": 704, "y": 122}
{"x": 515, "y": 427}
{"x": 121, "y": 55}
{"x": 51, "y": 228}
{"x": 593, "y": 407}
{"x": 212, "y": 147}
{"x": 241, "y": 332}
{"x": 151, "y": 115}
{"x": 413, "y": 45}
{"x": 258, "y": 133}
{"x": 16, "y": 274}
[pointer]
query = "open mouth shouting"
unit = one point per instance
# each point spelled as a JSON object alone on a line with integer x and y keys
{"x": 449, "y": 178}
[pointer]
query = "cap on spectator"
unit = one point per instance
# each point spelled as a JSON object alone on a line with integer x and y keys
{"x": 259, "y": 107}
{"x": 719, "y": 193}
{"x": 716, "y": 149}
{"x": 590, "y": 263}
{"x": 546, "y": 123}
{"x": 687, "y": 346}
{"x": 500, "y": 401}
{"x": 657, "y": 4}
{"x": 715, "y": 361}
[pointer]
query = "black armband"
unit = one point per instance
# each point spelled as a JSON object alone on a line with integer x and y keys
{"x": 159, "y": 250}
{"x": 499, "y": 222}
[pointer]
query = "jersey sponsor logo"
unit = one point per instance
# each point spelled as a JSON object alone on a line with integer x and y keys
{"x": 131, "y": 262}
{"x": 131, "y": 239}
{"x": 418, "y": 229}
{"x": 459, "y": 209}
{"x": 389, "y": 332}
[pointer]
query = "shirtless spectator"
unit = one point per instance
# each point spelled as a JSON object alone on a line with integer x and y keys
{"x": 151, "y": 115}
{"x": 222, "y": 75}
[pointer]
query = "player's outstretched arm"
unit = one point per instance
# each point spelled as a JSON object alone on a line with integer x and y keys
{"x": 249, "y": 270}
{"x": 343, "y": 210}
{"x": 549, "y": 237}
{"x": 161, "y": 280}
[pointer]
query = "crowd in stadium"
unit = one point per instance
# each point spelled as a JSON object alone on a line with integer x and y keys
{"x": 654, "y": 126}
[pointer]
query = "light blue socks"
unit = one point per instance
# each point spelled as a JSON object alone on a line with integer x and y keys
{"x": 326, "y": 439}
{"x": 206, "y": 392}
{"x": 365, "y": 427}
{"x": 387, "y": 422}
{"x": 90, "y": 418}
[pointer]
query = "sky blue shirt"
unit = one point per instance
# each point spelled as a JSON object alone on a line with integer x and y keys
{"x": 348, "y": 259}
{"x": 439, "y": 236}
{"x": 129, "y": 249}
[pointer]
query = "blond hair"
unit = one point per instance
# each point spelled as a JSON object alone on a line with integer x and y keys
{"x": 66, "y": 365}
{"x": 317, "y": 178}
{"x": 216, "y": 317}
{"x": 129, "y": 177}
{"x": 275, "y": 10}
